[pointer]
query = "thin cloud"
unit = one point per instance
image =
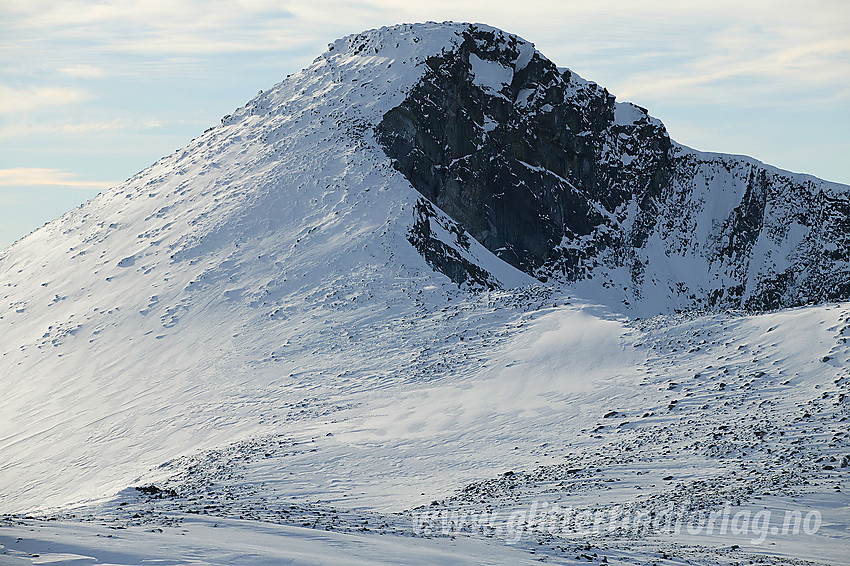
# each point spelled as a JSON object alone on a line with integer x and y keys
{"x": 83, "y": 71}
{"x": 13, "y": 100}
{"x": 155, "y": 26}
{"x": 35, "y": 176}
{"x": 82, "y": 128}
{"x": 798, "y": 67}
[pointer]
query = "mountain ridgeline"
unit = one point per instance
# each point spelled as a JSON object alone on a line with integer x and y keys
{"x": 555, "y": 177}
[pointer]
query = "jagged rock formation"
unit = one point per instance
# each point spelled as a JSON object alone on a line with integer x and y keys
{"x": 556, "y": 178}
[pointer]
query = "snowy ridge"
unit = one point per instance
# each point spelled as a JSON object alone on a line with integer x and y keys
{"x": 211, "y": 262}
{"x": 274, "y": 333}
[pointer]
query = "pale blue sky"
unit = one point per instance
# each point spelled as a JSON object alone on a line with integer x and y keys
{"x": 91, "y": 92}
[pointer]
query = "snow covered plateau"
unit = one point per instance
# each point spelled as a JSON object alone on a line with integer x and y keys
{"x": 432, "y": 300}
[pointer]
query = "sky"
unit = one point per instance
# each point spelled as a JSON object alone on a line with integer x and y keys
{"x": 91, "y": 92}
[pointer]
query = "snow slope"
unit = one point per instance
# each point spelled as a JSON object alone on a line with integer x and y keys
{"x": 222, "y": 259}
{"x": 245, "y": 331}
{"x": 229, "y": 542}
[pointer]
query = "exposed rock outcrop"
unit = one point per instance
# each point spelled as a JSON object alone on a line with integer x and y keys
{"x": 555, "y": 177}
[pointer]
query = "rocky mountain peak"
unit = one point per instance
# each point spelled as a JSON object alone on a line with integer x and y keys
{"x": 554, "y": 176}
{"x": 267, "y": 325}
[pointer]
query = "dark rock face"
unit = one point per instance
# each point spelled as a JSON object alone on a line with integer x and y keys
{"x": 785, "y": 240}
{"x": 524, "y": 166}
{"x": 444, "y": 257}
{"x": 553, "y": 176}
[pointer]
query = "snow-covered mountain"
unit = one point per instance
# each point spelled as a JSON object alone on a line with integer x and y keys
{"x": 554, "y": 176}
{"x": 400, "y": 286}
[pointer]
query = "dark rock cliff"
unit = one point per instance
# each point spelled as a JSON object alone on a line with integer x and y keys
{"x": 555, "y": 177}
{"x": 523, "y": 166}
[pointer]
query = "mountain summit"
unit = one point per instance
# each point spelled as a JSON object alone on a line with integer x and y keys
{"x": 558, "y": 179}
{"x": 393, "y": 286}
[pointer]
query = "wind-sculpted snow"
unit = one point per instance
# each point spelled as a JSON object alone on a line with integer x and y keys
{"x": 277, "y": 344}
